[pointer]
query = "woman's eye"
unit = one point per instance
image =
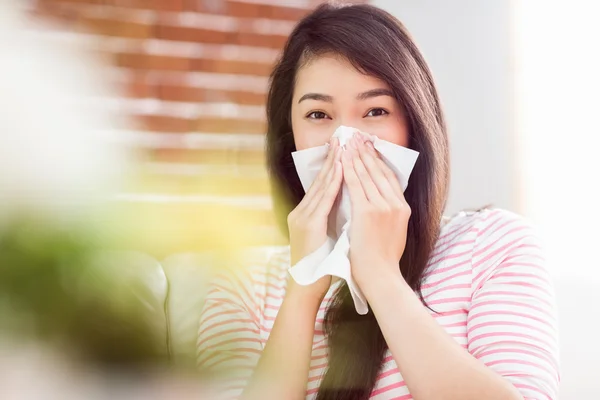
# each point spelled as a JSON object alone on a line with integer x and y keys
{"x": 317, "y": 115}
{"x": 376, "y": 112}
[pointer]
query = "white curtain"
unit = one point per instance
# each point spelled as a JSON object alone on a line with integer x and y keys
{"x": 557, "y": 67}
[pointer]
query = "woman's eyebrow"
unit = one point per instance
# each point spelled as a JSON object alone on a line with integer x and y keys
{"x": 374, "y": 93}
{"x": 316, "y": 96}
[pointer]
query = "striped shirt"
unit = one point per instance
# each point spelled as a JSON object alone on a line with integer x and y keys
{"x": 486, "y": 283}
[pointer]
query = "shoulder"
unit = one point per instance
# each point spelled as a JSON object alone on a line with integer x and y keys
{"x": 482, "y": 240}
{"x": 254, "y": 271}
{"x": 498, "y": 233}
{"x": 485, "y": 227}
{"x": 497, "y": 240}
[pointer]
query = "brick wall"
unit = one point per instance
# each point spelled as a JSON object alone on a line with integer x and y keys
{"x": 193, "y": 77}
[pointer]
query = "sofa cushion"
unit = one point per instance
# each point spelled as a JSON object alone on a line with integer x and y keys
{"x": 189, "y": 276}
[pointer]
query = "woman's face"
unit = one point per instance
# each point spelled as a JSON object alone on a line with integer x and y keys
{"x": 330, "y": 92}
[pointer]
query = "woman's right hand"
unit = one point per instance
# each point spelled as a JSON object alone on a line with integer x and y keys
{"x": 307, "y": 223}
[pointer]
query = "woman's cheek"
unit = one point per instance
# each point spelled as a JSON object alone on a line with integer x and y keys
{"x": 390, "y": 132}
{"x": 306, "y": 137}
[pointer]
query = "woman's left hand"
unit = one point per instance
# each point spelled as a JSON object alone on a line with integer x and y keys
{"x": 380, "y": 213}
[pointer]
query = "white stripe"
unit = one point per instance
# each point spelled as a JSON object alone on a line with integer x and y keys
{"x": 175, "y": 48}
{"x": 208, "y": 80}
{"x": 192, "y": 140}
{"x": 150, "y": 106}
{"x": 223, "y": 23}
{"x": 249, "y": 171}
{"x": 252, "y": 202}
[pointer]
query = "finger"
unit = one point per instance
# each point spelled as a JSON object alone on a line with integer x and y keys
{"x": 370, "y": 189}
{"x": 387, "y": 172}
{"x": 357, "y": 194}
{"x": 324, "y": 185}
{"x": 325, "y": 203}
{"x": 317, "y": 185}
{"x": 333, "y": 145}
{"x": 375, "y": 171}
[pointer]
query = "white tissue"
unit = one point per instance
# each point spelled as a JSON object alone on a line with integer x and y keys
{"x": 332, "y": 257}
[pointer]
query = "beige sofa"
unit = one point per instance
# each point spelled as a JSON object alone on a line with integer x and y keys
{"x": 172, "y": 294}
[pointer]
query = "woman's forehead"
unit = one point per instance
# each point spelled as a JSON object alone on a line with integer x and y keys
{"x": 331, "y": 74}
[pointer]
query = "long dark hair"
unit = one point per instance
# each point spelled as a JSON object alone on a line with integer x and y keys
{"x": 375, "y": 43}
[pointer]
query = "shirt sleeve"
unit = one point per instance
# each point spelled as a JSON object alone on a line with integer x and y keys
{"x": 512, "y": 322}
{"x": 229, "y": 343}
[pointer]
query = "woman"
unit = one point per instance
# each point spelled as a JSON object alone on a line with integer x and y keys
{"x": 458, "y": 310}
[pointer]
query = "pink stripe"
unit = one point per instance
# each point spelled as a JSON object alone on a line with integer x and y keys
{"x": 485, "y": 256}
{"x": 321, "y": 347}
{"x": 474, "y": 351}
{"x": 456, "y": 234}
{"x": 229, "y": 321}
{"x": 231, "y": 366}
{"x": 532, "y": 388}
{"x": 460, "y": 227}
{"x": 503, "y": 313}
{"x": 530, "y": 285}
{"x": 237, "y": 341}
{"x": 273, "y": 297}
{"x": 272, "y": 307}
{"x": 317, "y": 367}
{"x": 551, "y": 372}
{"x": 436, "y": 283}
{"x": 524, "y": 284}
{"x": 273, "y": 286}
{"x": 496, "y": 303}
{"x": 386, "y": 360}
{"x": 524, "y": 275}
{"x": 438, "y": 271}
{"x": 226, "y": 332}
{"x": 273, "y": 318}
{"x": 506, "y": 265}
{"x": 450, "y": 246}
{"x": 231, "y": 357}
{"x": 253, "y": 304}
{"x": 450, "y": 257}
{"x": 452, "y": 312}
{"x": 217, "y": 314}
{"x": 506, "y": 335}
{"x": 442, "y": 238}
{"x": 392, "y": 371}
{"x": 539, "y": 354}
{"x": 454, "y": 325}
{"x": 393, "y": 386}
{"x": 472, "y": 329}
{"x": 529, "y": 255}
{"x": 240, "y": 350}
{"x": 494, "y": 222}
{"x": 489, "y": 293}
{"x": 313, "y": 358}
{"x": 498, "y": 228}
{"x": 449, "y": 300}
{"x": 450, "y": 287}
{"x": 238, "y": 297}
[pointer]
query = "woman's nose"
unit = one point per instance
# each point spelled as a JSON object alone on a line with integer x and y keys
{"x": 350, "y": 122}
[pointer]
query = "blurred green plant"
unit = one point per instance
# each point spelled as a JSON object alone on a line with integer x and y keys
{"x": 52, "y": 291}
